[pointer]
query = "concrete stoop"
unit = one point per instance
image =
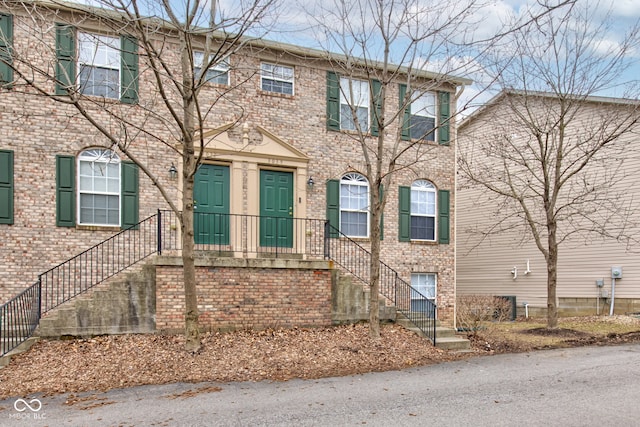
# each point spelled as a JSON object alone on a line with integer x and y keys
{"x": 446, "y": 337}
{"x": 350, "y": 301}
{"x": 123, "y": 304}
{"x": 4, "y": 360}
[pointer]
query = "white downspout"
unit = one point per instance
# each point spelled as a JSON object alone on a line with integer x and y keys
{"x": 613, "y": 295}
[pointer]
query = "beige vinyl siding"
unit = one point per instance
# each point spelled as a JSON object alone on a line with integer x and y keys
{"x": 484, "y": 266}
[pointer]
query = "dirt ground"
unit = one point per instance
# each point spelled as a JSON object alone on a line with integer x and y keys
{"x": 107, "y": 362}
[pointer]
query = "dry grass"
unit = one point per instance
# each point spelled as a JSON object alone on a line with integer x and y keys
{"x": 532, "y": 334}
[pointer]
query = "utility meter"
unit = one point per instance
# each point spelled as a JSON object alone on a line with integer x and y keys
{"x": 616, "y": 272}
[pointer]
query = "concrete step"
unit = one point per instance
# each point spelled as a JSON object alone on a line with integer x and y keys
{"x": 446, "y": 337}
{"x": 453, "y": 343}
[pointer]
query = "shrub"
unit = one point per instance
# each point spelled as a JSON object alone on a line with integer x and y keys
{"x": 476, "y": 312}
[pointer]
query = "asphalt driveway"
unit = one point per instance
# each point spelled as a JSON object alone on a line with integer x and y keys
{"x": 588, "y": 386}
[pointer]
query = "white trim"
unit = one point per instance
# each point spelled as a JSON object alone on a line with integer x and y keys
{"x": 102, "y": 158}
{"x": 276, "y": 73}
{"x": 354, "y": 180}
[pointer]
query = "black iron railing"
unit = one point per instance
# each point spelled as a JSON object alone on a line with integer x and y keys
{"x": 19, "y": 318}
{"x": 236, "y": 235}
{"x": 356, "y": 260}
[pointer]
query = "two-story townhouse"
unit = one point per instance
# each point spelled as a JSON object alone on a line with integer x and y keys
{"x": 277, "y": 146}
{"x": 596, "y": 273}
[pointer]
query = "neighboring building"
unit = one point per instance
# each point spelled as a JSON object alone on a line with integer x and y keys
{"x": 63, "y": 190}
{"x": 508, "y": 263}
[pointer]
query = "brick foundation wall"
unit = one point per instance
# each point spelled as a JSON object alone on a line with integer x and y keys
{"x": 239, "y": 294}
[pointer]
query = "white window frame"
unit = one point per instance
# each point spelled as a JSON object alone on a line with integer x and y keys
{"x": 425, "y": 209}
{"x": 353, "y": 183}
{"x": 215, "y": 73}
{"x": 426, "y": 284}
{"x": 425, "y": 105}
{"x": 277, "y": 74}
{"x": 99, "y": 160}
{"x": 96, "y": 51}
{"x": 354, "y": 94}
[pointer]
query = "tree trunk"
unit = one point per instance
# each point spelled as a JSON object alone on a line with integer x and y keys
{"x": 374, "y": 277}
{"x": 552, "y": 278}
{"x": 189, "y": 167}
{"x": 192, "y": 332}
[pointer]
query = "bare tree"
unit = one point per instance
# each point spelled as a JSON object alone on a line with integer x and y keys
{"x": 550, "y": 154}
{"x": 421, "y": 45}
{"x": 180, "y": 45}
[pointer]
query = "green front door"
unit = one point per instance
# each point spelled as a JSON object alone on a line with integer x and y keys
{"x": 276, "y": 209}
{"x": 211, "y": 205}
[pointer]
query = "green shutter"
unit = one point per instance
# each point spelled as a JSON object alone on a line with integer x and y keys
{"x": 404, "y": 214}
{"x": 381, "y": 214}
{"x": 130, "y": 204}
{"x": 129, "y": 73}
{"x": 65, "y": 55}
{"x": 333, "y": 101}
{"x": 6, "y": 43}
{"x": 445, "y": 112}
{"x": 333, "y": 206}
{"x": 406, "y": 117}
{"x": 6, "y": 187}
{"x": 443, "y": 216}
{"x": 376, "y": 105}
{"x": 65, "y": 191}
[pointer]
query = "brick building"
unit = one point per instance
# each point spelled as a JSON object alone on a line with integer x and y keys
{"x": 278, "y": 125}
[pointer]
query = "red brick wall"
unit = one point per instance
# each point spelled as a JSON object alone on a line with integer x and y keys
{"x": 246, "y": 297}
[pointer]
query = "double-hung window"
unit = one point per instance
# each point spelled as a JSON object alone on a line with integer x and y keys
{"x": 424, "y": 295}
{"x": 96, "y": 188}
{"x": 354, "y": 205}
{"x": 217, "y": 73}
{"x": 276, "y": 78}
{"x": 423, "y": 211}
{"x": 99, "y": 187}
{"x": 423, "y": 117}
{"x": 426, "y": 115}
{"x": 96, "y": 65}
{"x": 99, "y": 65}
{"x": 354, "y": 96}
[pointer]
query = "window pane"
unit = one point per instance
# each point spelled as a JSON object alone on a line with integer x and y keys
{"x": 424, "y": 285}
{"x": 422, "y": 128}
{"x": 346, "y": 119}
{"x": 422, "y": 228}
{"x": 277, "y": 78}
{"x": 354, "y": 223}
{"x": 99, "y": 187}
{"x": 99, "y": 65}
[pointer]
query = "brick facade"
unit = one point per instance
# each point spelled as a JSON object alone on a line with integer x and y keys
{"x": 256, "y": 294}
{"x": 37, "y": 129}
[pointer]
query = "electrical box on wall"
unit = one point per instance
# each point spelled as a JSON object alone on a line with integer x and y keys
{"x": 600, "y": 283}
{"x": 616, "y": 272}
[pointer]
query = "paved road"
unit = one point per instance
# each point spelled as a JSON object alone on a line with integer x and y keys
{"x": 596, "y": 386}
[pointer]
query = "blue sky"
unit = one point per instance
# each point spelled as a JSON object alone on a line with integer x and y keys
{"x": 622, "y": 15}
{"x": 294, "y": 22}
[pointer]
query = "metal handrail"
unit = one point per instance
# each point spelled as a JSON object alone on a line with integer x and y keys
{"x": 159, "y": 232}
{"x": 356, "y": 260}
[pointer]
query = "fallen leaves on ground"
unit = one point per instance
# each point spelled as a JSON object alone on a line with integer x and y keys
{"x": 108, "y": 362}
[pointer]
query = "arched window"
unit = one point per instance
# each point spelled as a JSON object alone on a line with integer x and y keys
{"x": 99, "y": 187}
{"x": 354, "y": 205}
{"x": 423, "y": 211}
